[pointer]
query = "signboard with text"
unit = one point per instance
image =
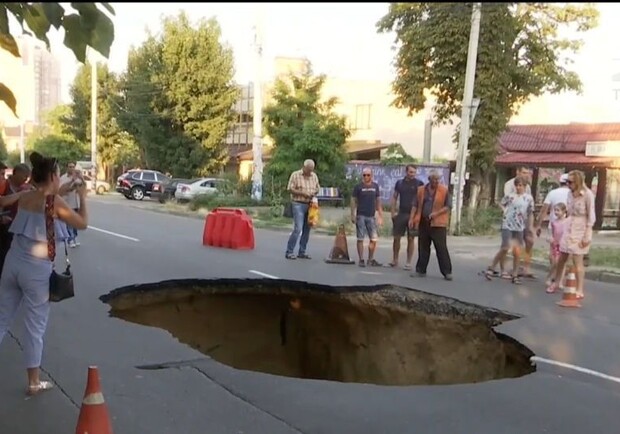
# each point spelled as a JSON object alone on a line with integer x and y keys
{"x": 386, "y": 176}
{"x": 609, "y": 149}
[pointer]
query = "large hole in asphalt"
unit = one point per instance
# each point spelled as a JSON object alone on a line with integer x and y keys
{"x": 384, "y": 334}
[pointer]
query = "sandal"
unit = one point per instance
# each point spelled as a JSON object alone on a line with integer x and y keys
{"x": 391, "y": 264}
{"x": 361, "y": 263}
{"x": 551, "y": 289}
{"x": 490, "y": 273}
{"x": 516, "y": 280}
{"x": 505, "y": 275}
{"x": 580, "y": 296}
{"x": 374, "y": 263}
{"x": 43, "y": 386}
{"x": 407, "y": 267}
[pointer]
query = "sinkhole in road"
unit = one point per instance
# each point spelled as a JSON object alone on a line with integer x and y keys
{"x": 385, "y": 334}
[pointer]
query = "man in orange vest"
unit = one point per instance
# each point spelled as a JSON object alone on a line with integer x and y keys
{"x": 430, "y": 213}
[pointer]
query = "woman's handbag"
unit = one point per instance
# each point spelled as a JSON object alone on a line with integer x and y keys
{"x": 61, "y": 284}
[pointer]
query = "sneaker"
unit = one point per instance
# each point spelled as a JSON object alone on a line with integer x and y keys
{"x": 361, "y": 263}
{"x": 448, "y": 277}
{"x": 77, "y": 243}
{"x": 72, "y": 244}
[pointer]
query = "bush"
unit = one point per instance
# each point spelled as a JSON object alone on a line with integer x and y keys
{"x": 483, "y": 222}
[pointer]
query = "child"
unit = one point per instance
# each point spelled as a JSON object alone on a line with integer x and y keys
{"x": 557, "y": 230}
{"x": 518, "y": 216}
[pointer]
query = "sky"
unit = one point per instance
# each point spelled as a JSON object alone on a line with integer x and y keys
{"x": 341, "y": 40}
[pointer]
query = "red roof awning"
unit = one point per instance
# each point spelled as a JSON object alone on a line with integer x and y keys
{"x": 551, "y": 159}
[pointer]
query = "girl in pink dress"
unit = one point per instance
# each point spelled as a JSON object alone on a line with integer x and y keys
{"x": 578, "y": 232}
{"x": 558, "y": 227}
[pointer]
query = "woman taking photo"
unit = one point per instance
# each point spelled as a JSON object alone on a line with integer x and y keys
{"x": 27, "y": 268}
{"x": 577, "y": 235}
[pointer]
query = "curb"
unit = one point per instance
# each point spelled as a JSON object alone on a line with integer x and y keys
{"x": 595, "y": 275}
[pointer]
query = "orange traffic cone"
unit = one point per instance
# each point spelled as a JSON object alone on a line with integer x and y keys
{"x": 94, "y": 417}
{"x": 569, "y": 296}
{"x": 340, "y": 252}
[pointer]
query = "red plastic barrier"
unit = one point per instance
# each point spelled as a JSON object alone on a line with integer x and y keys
{"x": 229, "y": 228}
{"x": 243, "y": 234}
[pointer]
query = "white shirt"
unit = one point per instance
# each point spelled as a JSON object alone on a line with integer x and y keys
{"x": 555, "y": 196}
{"x": 72, "y": 198}
{"x": 509, "y": 188}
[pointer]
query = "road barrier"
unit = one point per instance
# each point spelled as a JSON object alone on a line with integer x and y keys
{"x": 229, "y": 228}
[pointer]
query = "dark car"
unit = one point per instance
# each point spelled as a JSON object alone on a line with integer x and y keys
{"x": 165, "y": 191}
{"x": 136, "y": 184}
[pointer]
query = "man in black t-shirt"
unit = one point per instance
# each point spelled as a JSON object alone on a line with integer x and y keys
{"x": 365, "y": 204}
{"x": 406, "y": 190}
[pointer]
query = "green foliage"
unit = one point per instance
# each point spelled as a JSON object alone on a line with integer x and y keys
{"x": 522, "y": 53}
{"x": 486, "y": 222}
{"x": 114, "y": 146}
{"x": 56, "y": 138}
{"x": 396, "y": 154}
{"x": 178, "y": 97}
{"x": 89, "y": 27}
{"x": 303, "y": 125}
{"x": 4, "y": 154}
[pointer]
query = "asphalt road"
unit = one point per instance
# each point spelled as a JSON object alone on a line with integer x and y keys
{"x": 129, "y": 244}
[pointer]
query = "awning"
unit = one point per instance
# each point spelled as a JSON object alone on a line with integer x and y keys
{"x": 550, "y": 159}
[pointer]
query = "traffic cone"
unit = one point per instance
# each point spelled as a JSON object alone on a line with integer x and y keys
{"x": 340, "y": 252}
{"x": 94, "y": 417}
{"x": 569, "y": 296}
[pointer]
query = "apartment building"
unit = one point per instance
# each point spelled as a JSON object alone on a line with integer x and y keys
{"x": 34, "y": 79}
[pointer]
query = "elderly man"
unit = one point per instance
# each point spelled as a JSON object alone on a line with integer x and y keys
{"x": 303, "y": 186}
{"x": 430, "y": 213}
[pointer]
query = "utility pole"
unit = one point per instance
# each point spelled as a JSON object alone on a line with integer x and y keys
{"x": 466, "y": 118}
{"x": 428, "y": 134}
{"x": 257, "y": 127}
{"x": 93, "y": 118}
{"x": 22, "y": 144}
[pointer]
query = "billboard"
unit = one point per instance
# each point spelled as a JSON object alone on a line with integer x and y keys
{"x": 387, "y": 175}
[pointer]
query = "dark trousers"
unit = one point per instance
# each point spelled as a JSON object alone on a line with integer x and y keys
{"x": 438, "y": 236}
{"x": 5, "y": 244}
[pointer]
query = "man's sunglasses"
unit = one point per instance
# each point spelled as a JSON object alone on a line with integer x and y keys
{"x": 366, "y": 174}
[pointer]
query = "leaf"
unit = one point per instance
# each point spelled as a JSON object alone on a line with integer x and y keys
{"x": 9, "y": 99}
{"x": 102, "y": 37}
{"x": 54, "y": 13}
{"x": 75, "y": 39}
{"x": 7, "y": 42}
{"x": 37, "y": 22}
{"x": 109, "y": 8}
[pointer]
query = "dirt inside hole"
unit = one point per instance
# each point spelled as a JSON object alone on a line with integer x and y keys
{"x": 382, "y": 335}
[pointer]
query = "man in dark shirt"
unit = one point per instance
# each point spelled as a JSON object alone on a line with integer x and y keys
{"x": 15, "y": 184}
{"x": 365, "y": 204}
{"x": 405, "y": 190}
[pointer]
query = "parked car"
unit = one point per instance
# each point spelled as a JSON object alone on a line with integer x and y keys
{"x": 166, "y": 191}
{"x": 102, "y": 186}
{"x": 136, "y": 184}
{"x": 185, "y": 192}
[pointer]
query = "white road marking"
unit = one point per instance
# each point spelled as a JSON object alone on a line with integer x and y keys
{"x": 260, "y": 273}
{"x": 114, "y": 234}
{"x": 576, "y": 368}
{"x": 374, "y": 273}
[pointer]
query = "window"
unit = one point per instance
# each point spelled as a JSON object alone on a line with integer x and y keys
{"x": 361, "y": 117}
{"x": 148, "y": 176}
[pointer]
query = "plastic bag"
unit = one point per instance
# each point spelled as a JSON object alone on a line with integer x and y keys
{"x": 313, "y": 213}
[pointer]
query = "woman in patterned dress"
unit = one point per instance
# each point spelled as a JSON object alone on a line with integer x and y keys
{"x": 577, "y": 236}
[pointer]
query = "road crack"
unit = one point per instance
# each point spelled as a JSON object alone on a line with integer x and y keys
{"x": 247, "y": 401}
{"x": 48, "y": 374}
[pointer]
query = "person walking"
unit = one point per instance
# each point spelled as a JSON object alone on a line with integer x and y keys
{"x": 25, "y": 279}
{"x": 70, "y": 182}
{"x": 518, "y": 216}
{"x": 303, "y": 185}
{"x": 577, "y": 236}
{"x": 405, "y": 191}
{"x": 430, "y": 215}
{"x": 525, "y": 174}
{"x": 367, "y": 215}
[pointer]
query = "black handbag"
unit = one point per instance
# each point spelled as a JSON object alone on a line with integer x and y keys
{"x": 61, "y": 284}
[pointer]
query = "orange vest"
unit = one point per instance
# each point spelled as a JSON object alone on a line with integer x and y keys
{"x": 439, "y": 201}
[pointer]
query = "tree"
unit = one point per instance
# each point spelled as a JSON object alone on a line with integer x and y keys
{"x": 112, "y": 141}
{"x": 4, "y": 153}
{"x": 56, "y": 139}
{"x": 179, "y": 95}
{"x": 396, "y": 154}
{"x": 521, "y": 54}
{"x": 303, "y": 125}
{"x": 89, "y": 27}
